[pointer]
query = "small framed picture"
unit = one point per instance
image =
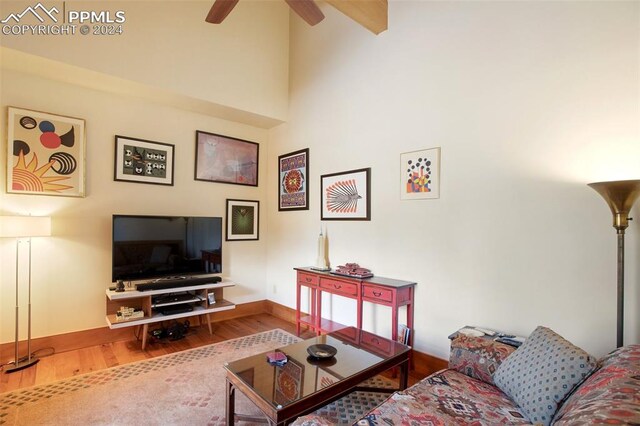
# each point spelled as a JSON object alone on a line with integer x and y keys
{"x": 293, "y": 188}
{"x": 346, "y": 195}
{"x": 45, "y": 154}
{"x": 420, "y": 174}
{"x": 143, "y": 161}
{"x": 242, "y": 220}
{"x": 224, "y": 159}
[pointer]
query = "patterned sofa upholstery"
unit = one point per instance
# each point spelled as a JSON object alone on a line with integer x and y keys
{"x": 465, "y": 394}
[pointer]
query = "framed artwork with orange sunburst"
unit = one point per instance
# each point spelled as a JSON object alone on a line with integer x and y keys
{"x": 293, "y": 188}
{"x": 45, "y": 154}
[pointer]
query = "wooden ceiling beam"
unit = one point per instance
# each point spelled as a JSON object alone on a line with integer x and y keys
{"x": 371, "y": 14}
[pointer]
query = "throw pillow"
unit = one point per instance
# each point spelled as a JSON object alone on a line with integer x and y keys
{"x": 542, "y": 372}
{"x": 478, "y": 357}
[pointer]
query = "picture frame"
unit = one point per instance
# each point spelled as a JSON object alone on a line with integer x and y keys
{"x": 143, "y": 161}
{"x": 224, "y": 159}
{"x": 293, "y": 181}
{"x": 420, "y": 174}
{"x": 46, "y": 153}
{"x": 346, "y": 195}
{"x": 243, "y": 219}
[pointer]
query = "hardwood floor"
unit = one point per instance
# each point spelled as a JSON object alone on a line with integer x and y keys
{"x": 72, "y": 363}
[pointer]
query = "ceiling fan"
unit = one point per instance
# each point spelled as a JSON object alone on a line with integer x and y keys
{"x": 371, "y": 14}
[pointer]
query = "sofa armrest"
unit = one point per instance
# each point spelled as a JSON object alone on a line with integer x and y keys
{"x": 478, "y": 357}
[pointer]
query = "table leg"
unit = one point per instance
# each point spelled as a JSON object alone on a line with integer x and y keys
{"x": 230, "y": 408}
{"x": 404, "y": 375}
{"x": 298, "y": 309}
{"x": 145, "y": 331}
{"x": 209, "y": 323}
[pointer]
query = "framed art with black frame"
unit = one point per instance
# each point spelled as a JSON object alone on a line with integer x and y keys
{"x": 346, "y": 195}
{"x": 224, "y": 159}
{"x": 242, "y": 220}
{"x": 143, "y": 161}
{"x": 293, "y": 188}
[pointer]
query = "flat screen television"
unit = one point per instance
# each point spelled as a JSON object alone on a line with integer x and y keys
{"x": 149, "y": 247}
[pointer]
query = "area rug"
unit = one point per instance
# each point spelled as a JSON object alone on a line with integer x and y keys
{"x": 183, "y": 388}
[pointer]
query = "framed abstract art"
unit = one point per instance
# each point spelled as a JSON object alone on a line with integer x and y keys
{"x": 224, "y": 159}
{"x": 420, "y": 174}
{"x": 242, "y": 220}
{"x": 45, "y": 154}
{"x": 143, "y": 161}
{"x": 346, "y": 195}
{"x": 293, "y": 188}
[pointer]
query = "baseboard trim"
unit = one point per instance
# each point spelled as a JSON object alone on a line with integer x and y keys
{"x": 423, "y": 364}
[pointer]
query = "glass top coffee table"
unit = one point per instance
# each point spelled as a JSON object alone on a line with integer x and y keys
{"x": 305, "y": 384}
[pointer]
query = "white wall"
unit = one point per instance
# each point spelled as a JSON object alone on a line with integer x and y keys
{"x": 72, "y": 269}
{"x": 242, "y": 63}
{"x": 529, "y": 102}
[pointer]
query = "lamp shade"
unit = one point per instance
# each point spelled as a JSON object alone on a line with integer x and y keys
{"x": 620, "y": 196}
{"x": 25, "y": 226}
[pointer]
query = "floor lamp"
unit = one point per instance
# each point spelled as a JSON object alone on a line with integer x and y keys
{"x": 21, "y": 227}
{"x": 620, "y": 196}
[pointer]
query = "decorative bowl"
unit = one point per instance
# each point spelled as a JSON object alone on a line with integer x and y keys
{"x": 322, "y": 351}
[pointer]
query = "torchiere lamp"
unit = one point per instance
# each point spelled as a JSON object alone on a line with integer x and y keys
{"x": 23, "y": 227}
{"x": 620, "y": 196}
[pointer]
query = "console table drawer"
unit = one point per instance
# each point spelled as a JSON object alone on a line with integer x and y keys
{"x": 376, "y": 343}
{"x": 377, "y": 293}
{"x": 339, "y": 287}
{"x": 307, "y": 279}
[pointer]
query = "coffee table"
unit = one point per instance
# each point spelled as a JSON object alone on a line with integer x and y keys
{"x": 303, "y": 384}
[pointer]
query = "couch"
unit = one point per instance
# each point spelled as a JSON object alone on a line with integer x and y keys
{"x": 546, "y": 381}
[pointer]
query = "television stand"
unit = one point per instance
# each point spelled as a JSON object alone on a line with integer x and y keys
{"x": 150, "y": 303}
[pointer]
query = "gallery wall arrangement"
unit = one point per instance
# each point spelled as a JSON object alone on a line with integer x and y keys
{"x": 45, "y": 154}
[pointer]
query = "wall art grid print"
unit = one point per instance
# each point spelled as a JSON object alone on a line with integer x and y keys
{"x": 293, "y": 188}
{"x": 143, "y": 161}
{"x": 346, "y": 195}
{"x": 45, "y": 153}
{"x": 420, "y": 174}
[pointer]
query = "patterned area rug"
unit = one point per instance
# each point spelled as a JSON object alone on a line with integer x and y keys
{"x": 183, "y": 388}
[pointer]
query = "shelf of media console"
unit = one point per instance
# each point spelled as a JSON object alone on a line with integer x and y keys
{"x": 131, "y": 294}
{"x": 220, "y": 305}
{"x": 195, "y": 299}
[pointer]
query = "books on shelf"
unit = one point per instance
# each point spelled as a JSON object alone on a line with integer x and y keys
{"x": 403, "y": 334}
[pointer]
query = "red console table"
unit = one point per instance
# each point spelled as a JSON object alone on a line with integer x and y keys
{"x": 378, "y": 290}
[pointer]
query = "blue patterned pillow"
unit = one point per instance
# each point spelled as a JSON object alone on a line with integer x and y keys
{"x": 542, "y": 372}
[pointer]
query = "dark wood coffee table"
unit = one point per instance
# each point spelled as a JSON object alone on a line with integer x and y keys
{"x": 304, "y": 385}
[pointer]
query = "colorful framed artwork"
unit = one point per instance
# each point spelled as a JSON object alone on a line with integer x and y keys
{"x": 226, "y": 160}
{"x": 143, "y": 161}
{"x": 420, "y": 174}
{"x": 242, "y": 220}
{"x": 288, "y": 382}
{"x": 293, "y": 188}
{"x": 346, "y": 195}
{"x": 45, "y": 154}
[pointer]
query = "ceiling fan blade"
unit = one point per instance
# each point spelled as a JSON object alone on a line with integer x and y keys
{"x": 307, "y": 10}
{"x": 220, "y": 10}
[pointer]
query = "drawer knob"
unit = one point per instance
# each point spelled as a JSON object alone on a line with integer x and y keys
{"x": 377, "y": 294}
{"x": 375, "y": 340}
{"x": 308, "y": 279}
{"x": 337, "y": 286}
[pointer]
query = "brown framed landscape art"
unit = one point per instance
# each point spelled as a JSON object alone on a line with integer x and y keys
{"x": 293, "y": 188}
{"x": 224, "y": 159}
{"x": 45, "y": 153}
{"x": 242, "y": 220}
{"x": 346, "y": 195}
{"x": 143, "y": 161}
